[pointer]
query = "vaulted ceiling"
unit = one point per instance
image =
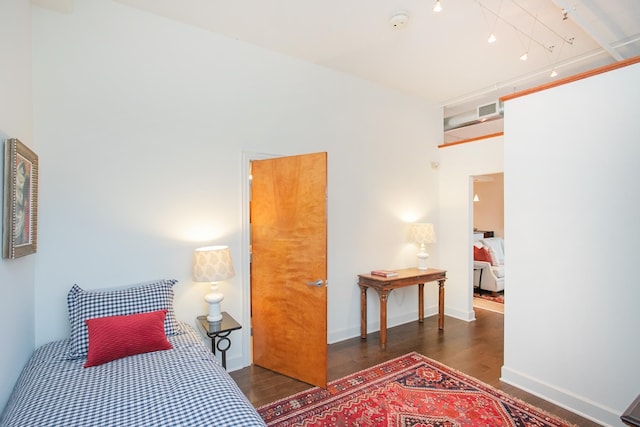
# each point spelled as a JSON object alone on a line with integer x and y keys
{"x": 442, "y": 56}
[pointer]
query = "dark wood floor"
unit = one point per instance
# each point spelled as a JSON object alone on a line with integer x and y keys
{"x": 475, "y": 348}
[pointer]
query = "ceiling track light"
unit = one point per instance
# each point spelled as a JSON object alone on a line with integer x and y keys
{"x": 529, "y": 36}
{"x": 570, "y": 41}
{"x": 525, "y": 55}
{"x": 492, "y": 28}
{"x": 554, "y": 73}
{"x": 437, "y": 7}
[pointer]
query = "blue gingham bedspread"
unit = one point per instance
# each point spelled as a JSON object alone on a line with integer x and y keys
{"x": 184, "y": 386}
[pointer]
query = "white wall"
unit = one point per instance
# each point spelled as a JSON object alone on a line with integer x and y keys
{"x": 459, "y": 163}
{"x": 16, "y": 276}
{"x": 572, "y": 203}
{"x": 143, "y": 125}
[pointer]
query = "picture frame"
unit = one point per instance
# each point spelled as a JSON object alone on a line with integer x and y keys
{"x": 20, "y": 207}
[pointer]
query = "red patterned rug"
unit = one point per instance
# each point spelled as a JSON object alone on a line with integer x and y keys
{"x": 409, "y": 391}
{"x": 489, "y": 297}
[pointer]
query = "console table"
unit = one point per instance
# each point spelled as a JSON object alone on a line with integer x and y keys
{"x": 384, "y": 286}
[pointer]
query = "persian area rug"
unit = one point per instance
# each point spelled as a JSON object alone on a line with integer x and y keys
{"x": 487, "y": 296}
{"x": 411, "y": 390}
{"x": 488, "y": 302}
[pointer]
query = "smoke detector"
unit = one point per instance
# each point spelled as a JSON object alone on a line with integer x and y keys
{"x": 399, "y": 19}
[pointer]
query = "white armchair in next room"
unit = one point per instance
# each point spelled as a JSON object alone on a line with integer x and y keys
{"x": 488, "y": 264}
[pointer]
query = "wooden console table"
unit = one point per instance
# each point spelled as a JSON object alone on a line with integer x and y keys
{"x": 384, "y": 286}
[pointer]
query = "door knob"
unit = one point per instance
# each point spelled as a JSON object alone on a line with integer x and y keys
{"x": 318, "y": 282}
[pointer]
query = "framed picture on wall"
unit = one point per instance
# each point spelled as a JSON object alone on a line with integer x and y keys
{"x": 20, "y": 208}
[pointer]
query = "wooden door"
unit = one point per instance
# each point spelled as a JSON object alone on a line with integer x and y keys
{"x": 289, "y": 266}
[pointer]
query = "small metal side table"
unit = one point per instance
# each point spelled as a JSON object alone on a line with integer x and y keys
{"x": 219, "y": 333}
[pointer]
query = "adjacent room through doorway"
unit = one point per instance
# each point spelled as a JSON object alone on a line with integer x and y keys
{"x": 488, "y": 240}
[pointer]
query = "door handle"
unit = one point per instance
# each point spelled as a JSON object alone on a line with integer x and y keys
{"x": 318, "y": 282}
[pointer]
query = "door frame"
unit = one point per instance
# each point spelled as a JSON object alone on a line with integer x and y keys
{"x": 247, "y": 158}
{"x": 473, "y": 179}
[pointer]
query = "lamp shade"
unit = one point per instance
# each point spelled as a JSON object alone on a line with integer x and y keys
{"x": 422, "y": 233}
{"x": 212, "y": 264}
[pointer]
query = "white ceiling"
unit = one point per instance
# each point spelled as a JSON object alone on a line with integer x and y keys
{"x": 442, "y": 56}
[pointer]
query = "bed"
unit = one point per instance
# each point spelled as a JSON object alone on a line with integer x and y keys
{"x": 180, "y": 386}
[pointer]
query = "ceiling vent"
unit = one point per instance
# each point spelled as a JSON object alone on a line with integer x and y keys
{"x": 483, "y": 113}
{"x": 489, "y": 111}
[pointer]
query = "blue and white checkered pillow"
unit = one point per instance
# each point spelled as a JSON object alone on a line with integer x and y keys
{"x": 143, "y": 298}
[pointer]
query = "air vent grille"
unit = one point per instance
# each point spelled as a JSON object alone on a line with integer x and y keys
{"x": 482, "y": 113}
{"x": 487, "y": 110}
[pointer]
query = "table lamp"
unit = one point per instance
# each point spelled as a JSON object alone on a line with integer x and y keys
{"x": 212, "y": 264}
{"x": 422, "y": 233}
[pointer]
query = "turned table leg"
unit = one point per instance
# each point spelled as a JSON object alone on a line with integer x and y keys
{"x": 420, "y": 302}
{"x": 383, "y": 318}
{"x": 441, "y": 304}
{"x": 363, "y": 312}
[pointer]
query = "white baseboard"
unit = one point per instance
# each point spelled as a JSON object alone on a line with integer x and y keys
{"x": 234, "y": 363}
{"x": 374, "y": 324}
{"x": 467, "y": 316}
{"x": 563, "y": 398}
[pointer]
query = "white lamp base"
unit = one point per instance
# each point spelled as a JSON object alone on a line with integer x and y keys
{"x": 423, "y": 256}
{"x": 214, "y": 298}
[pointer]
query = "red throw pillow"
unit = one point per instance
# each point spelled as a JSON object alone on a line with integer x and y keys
{"x": 115, "y": 337}
{"x": 481, "y": 254}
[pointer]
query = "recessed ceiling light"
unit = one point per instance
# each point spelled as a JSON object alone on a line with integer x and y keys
{"x": 492, "y": 38}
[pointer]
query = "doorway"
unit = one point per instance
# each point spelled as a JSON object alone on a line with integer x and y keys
{"x": 488, "y": 222}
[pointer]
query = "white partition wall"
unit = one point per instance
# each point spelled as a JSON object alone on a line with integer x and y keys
{"x": 572, "y": 209}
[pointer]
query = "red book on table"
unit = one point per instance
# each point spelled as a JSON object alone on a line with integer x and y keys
{"x": 384, "y": 273}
